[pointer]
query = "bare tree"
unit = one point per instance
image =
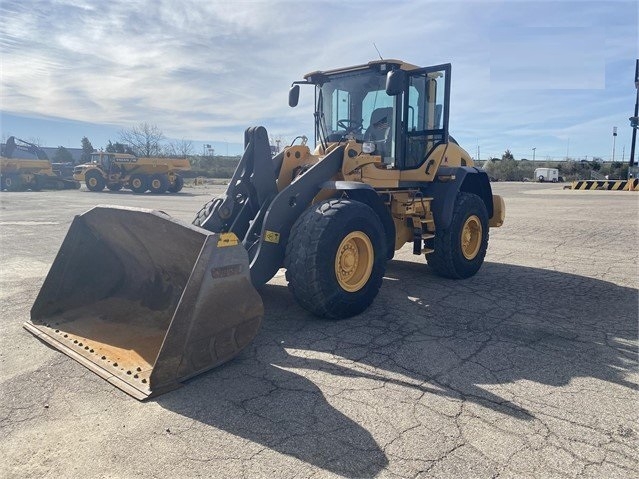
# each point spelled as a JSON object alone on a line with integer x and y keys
{"x": 143, "y": 139}
{"x": 179, "y": 148}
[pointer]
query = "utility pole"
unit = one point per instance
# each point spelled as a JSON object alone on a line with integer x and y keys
{"x": 534, "y": 148}
{"x": 614, "y": 139}
{"x": 634, "y": 124}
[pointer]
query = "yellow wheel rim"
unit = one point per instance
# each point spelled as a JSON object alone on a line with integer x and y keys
{"x": 471, "y": 237}
{"x": 93, "y": 182}
{"x": 136, "y": 183}
{"x": 155, "y": 184}
{"x": 354, "y": 261}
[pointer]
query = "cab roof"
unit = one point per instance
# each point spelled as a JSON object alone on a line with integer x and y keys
{"x": 377, "y": 65}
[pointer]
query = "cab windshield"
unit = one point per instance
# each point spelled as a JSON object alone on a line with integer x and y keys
{"x": 102, "y": 158}
{"x": 356, "y": 106}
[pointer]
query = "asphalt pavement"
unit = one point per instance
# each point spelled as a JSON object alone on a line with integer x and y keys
{"x": 529, "y": 369}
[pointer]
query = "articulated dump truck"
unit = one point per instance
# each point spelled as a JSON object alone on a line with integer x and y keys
{"x": 147, "y": 301}
{"x": 122, "y": 170}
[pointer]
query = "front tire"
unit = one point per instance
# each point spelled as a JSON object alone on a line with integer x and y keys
{"x": 12, "y": 183}
{"x": 460, "y": 249}
{"x": 94, "y": 180}
{"x": 336, "y": 258}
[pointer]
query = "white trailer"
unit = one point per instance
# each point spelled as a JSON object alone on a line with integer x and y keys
{"x": 547, "y": 174}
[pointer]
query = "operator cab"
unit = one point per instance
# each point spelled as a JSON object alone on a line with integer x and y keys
{"x": 103, "y": 159}
{"x": 111, "y": 161}
{"x": 396, "y": 110}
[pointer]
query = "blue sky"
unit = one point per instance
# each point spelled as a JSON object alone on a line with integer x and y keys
{"x": 555, "y": 76}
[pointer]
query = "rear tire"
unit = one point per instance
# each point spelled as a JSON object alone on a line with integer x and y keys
{"x": 158, "y": 184}
{"x": 138, "y": 184}
{"x": 94, "y": 180}
{"x": 336, "y": 258}
{"x": 177, "y": 186}
{"x": 460, "y": 249}
{"x": 38, "y": 184}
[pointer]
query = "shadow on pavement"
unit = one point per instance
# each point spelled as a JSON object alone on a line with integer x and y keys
{"x": 460, "y": 339}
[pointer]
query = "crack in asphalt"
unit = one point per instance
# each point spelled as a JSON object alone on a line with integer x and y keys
{"x": 529, "y": 370}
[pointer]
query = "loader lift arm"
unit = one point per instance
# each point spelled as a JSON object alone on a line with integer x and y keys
{"x": 254, "y": 210}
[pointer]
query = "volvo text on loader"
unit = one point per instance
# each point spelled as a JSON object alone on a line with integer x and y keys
{"x": 173, "y": 300}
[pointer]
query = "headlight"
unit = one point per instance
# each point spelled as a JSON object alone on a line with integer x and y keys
{"x": 368, "y": 147}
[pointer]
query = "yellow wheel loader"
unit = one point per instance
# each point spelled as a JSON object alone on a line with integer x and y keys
{"x": 34, "y": 173}
{"x": 122, "y": 170}
{"x": 173, "y": 300}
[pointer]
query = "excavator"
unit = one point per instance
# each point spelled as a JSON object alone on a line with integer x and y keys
{"x": 35, "y": 172}
{"x": 147, "y": 301}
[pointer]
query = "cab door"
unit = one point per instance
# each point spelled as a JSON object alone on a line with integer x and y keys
{"x": 425, "y": 114}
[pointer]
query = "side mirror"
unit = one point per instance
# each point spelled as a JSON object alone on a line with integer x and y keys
{"x": 293, "y": 96}
{"x": 395, "y": 81}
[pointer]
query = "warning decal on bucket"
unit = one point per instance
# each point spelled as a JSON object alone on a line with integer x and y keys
{"x": 227, "y": 239}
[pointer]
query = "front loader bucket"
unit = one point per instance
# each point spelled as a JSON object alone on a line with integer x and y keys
{"x": 146, "y": 301}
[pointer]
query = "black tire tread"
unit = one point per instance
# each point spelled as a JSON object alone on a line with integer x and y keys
{"x": 93, "y": 173}
{"x": 164, "y": 183}
{"x": 204, "y": 212}
{"x": 143, "y": 188}
{"x": 446, "y": 242}
{"x": 303, "y": 255}
{"x": 177, "y": 185}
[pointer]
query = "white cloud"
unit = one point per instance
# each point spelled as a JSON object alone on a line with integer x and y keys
{"x": 202, "y": 69}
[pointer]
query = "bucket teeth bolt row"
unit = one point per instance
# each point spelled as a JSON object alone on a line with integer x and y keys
{"x": 104, "y": 358}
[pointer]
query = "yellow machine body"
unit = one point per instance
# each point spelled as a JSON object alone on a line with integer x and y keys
{"x": 147, "y": 301}
{"x": 140, "y": 174}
